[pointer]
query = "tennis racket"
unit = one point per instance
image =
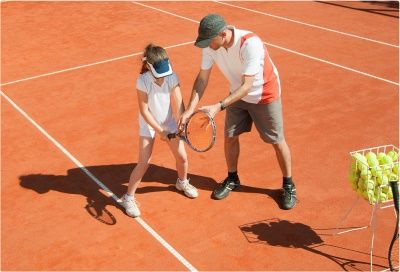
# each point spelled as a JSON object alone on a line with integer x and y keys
{"x": 394, "y": 244}
{"x": 199, "y": 131}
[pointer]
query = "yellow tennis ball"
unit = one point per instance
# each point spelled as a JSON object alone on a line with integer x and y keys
{"x": 360, "y": 160}
{"x": 383, "y": 197}
{"x": 353, "y": 177}
{"x": 370, "y": 185}
{"x": 382, "y": 180}
{"x": 376, "y": 171}
{"x": 371, "y": 159}
{"x": 360, "y": 184}
{"x": 366, "y": 175}
{"x": 390, "y": 194}
{"x": 386, "y": 189}
{"x": 370, "y": 155}
{"x": 395, "y": 168}
{"x": 393, "y": 177}
{"x": 363, "y": 169}
{"x": 393, "y": 154}
{"x": 380, "y": 157}
{"x": 373, "y": 162}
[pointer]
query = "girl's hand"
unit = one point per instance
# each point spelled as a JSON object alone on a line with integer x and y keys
{"x": 211, "y": 110}
{"x": 164, "y": 135}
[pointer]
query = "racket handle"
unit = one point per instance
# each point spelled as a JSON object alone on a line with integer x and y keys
{"x": 171, "y": 136}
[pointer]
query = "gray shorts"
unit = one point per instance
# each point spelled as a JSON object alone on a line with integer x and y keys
{"x": 266, "y": 117}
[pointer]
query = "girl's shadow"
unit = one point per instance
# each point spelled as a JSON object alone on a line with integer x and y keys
{"x": 115, "y": 177}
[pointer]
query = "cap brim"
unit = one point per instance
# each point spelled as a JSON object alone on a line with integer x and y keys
{"x": 161, "y": 69}
{"x": 202, "y": 43}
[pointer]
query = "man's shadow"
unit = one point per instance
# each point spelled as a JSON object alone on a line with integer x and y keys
{"x": 283, "y": 233}
{"x": 116, "y": 178}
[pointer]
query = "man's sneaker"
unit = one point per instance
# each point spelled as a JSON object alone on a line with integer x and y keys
{"x": 288, "y": 196}
{"x": 226, "y": 187}
{"x": 131, "y": 206}
{"x": 187, "y": 188}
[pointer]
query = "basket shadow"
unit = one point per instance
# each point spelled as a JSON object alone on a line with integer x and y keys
{"x": 283, "y": 233}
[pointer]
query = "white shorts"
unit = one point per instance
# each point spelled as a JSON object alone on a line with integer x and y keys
{"x": 145, "y": 130}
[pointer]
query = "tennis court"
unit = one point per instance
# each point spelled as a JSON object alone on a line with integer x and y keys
{"x": 70, "y": 141}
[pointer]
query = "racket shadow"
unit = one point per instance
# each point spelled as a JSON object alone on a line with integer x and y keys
{"x": 115, "y": 177}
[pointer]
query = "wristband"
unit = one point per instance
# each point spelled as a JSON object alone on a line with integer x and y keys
{"x": 222, "y": 105}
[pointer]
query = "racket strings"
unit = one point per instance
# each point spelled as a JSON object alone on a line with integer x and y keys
{"x": 200, "y": 132}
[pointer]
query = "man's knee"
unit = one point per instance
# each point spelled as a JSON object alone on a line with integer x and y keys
{"x": 232, "y": 140}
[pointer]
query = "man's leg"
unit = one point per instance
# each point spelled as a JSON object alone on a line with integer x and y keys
{"x": 269, "y": 122}
{"x": 284, "y": 158}
{"x": 232, "y": 182}
{"x": 232, "y": 150}
{"x": 289, "y": 190}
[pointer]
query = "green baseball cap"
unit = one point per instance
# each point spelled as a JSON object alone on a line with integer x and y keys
{"x": 210, "y": 26}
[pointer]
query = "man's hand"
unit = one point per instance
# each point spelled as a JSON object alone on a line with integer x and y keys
{"x": 183, "y": 119}
{"x": 211, "y": 110}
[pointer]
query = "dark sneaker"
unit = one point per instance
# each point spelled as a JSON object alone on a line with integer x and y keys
{"x": 289, "y": 197}
{"x": 226, "y": 187}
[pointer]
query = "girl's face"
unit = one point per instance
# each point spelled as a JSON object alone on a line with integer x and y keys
{"x": 158, "y": 80}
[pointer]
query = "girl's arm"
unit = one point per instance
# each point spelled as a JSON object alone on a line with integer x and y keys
{"x": 147, "y": 116}
{"x": 177, "y": 94}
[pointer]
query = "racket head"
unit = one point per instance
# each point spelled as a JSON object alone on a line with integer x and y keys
{"x": 200, "y": 131}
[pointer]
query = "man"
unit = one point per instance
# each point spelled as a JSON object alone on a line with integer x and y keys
{"x": 254, "y": 97}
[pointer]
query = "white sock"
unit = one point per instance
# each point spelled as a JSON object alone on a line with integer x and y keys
{"x": 128, "y": 197}
{"x": 184, "y": 180}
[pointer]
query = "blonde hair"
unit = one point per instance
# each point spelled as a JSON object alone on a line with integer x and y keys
{"x": 152, "y": 54}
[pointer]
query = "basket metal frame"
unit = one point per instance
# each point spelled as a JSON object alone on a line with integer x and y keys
{"x": 375, "y": 205}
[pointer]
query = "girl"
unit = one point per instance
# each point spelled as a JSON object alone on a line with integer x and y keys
{"x": 154, "y": 87}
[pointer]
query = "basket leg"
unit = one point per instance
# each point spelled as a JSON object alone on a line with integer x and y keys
{"x": 344, "y": 218}
{"x": 373, "y": 225}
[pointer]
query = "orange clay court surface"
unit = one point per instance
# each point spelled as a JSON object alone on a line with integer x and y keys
{"x": 69, "y": 118}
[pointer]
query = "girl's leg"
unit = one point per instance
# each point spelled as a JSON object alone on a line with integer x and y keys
{"x": 178, "y": 150}
{"x": 145, "y": 149}
{"x": 182, "y": 184}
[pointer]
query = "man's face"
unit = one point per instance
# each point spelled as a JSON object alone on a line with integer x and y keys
{"x": 217, "y": 42}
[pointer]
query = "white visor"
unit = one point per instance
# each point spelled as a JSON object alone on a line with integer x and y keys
{"x": 161, "y": 68}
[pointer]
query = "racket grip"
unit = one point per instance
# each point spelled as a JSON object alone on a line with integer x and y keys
{"x": 171, "y": 136}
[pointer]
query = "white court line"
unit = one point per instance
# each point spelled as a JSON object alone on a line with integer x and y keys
{"x": 164, "y": 243}
{"x": 127, "y": 56}
{"x": 286, "y": 49}
{"x": 332, "y": 63}
{"x": 88, "y": 65}
{"x": 307, "y": 24}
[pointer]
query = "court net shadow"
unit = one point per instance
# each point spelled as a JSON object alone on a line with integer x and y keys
{"x": 283, "y": 233}
{"x": 115, "y": 177}
{"x": 384, "y": 8}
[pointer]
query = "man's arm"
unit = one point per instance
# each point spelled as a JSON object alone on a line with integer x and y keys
{"x": 199, "y": 86}
{"x": 242, "y": 91}
{"x": 247, "y": 83}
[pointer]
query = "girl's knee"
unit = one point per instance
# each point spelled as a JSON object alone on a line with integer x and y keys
{"x": 182, "y": 158}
